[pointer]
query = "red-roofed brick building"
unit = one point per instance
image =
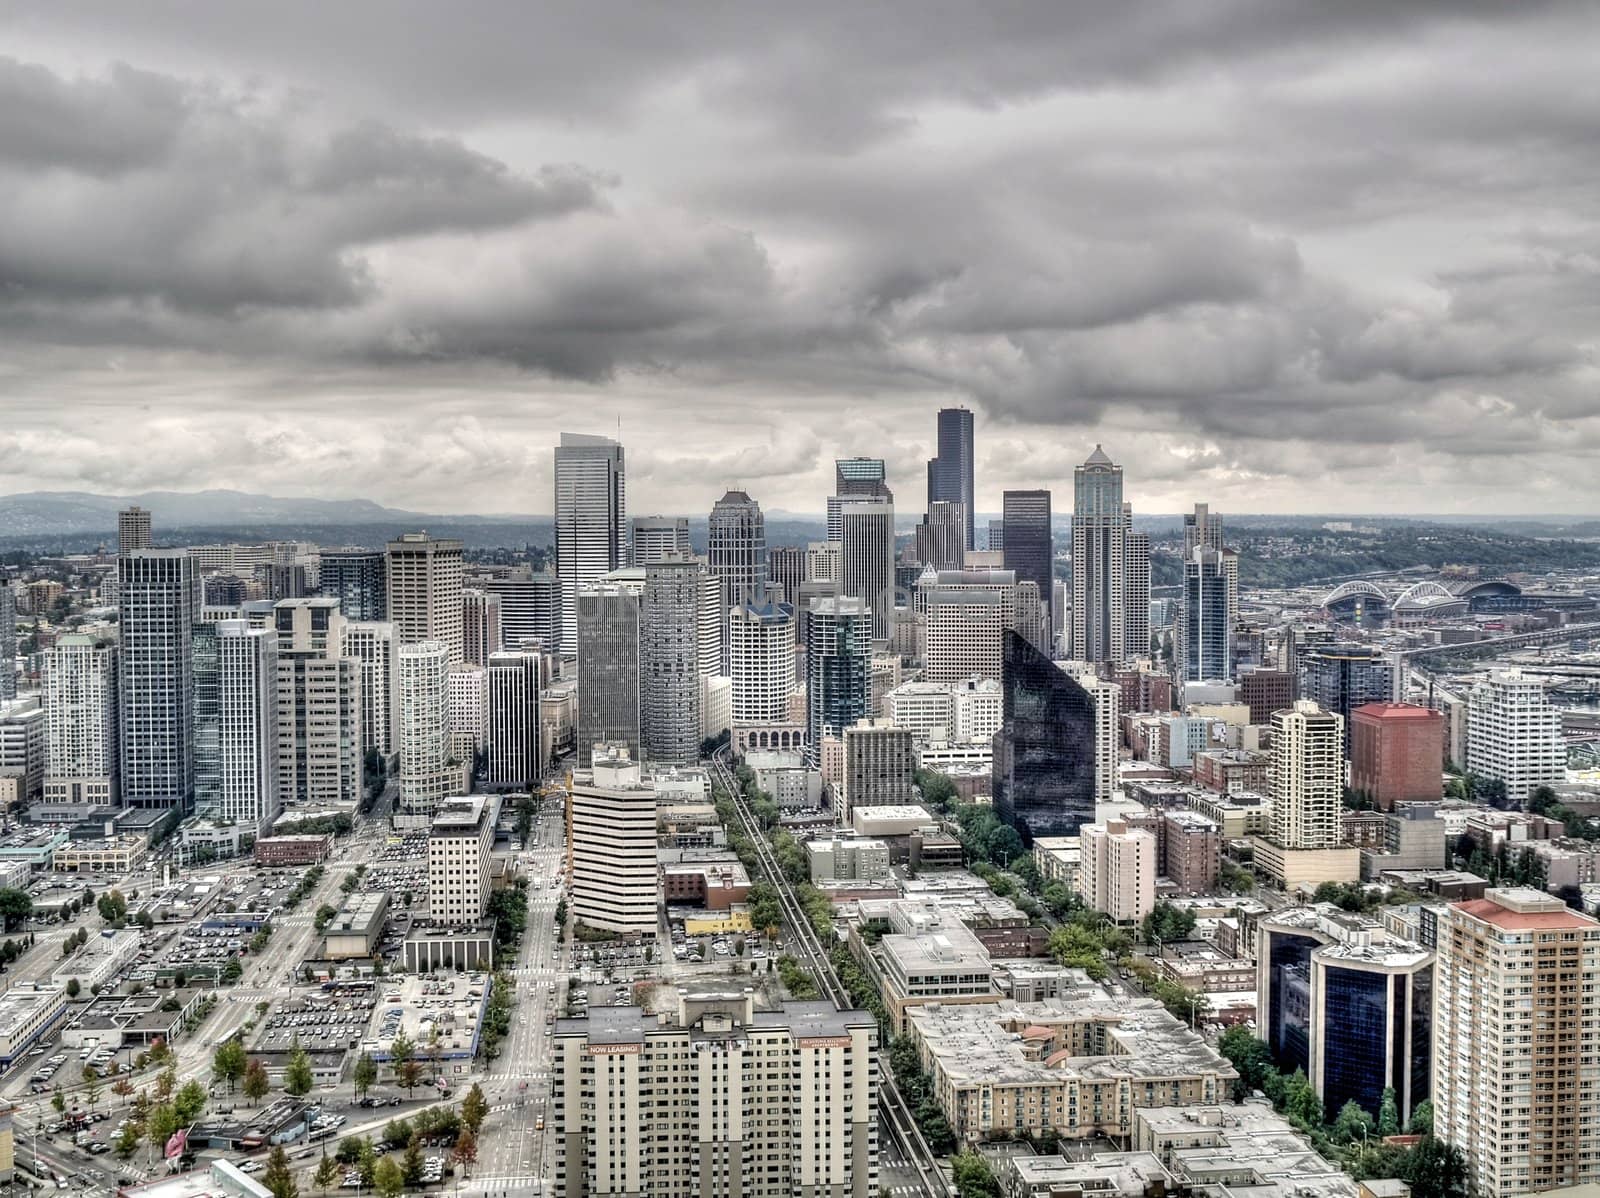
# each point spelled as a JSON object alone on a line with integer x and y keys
{"x": 1397, "y": 753}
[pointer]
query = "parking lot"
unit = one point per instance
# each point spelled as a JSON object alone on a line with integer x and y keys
{"x": 320, "y": 1024}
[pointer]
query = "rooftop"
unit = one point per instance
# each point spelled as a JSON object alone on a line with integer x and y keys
{"x": 1522, "y": 909}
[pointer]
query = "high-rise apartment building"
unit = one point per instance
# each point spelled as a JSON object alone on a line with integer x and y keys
{"x": 1514, "y": 733}
{"x": 654, "y": 537}
{"x": 950, "y": 471}
{"x": 879, "y": 766}
{"x": 736, "y": 548}
{"x": 358, "y": 579}
{"x": 1117, "y": 870}
{"x": 722, "y": 1102}
{"x": 613, "y": 846}
{"x": 1107, "y": 699}
{"x": 1205, "y": 636}
{"x": 940, "y": 540}
{"x": 236, "y": 768}
{"x": 867, "y": 559}
{"x": 838, "y": 669}
{"x": 761, "y": 663}
{"x": 427, "y": 775}
{"x": 460, "y": 848}
{"x": 607, "y": 624}
{"x": 1307, "y": 777}
{"x": 158, "y": 605}
{"x": 669, "y": 663}
{"x": 8, "y": 641}
{"x": 1397, "y": 753}
{"x": 1045, "y": 752}
{"x": 318, "y": 706}
{"x": 133, "y": 530}
{"x": 1518, "y": 1001}
{"x": 480, "y": 626}
{"x": 468, "y": 698}
{"x": 786, "y": 569}
{"x": 424, "y": 586}
{"x": 513, "y": 757}
{"x": 1110, "y": 568}
{"x": 591, "y": 516}
{"x": 967, "y": 614}
{"x": 80, "y": 703}
{"x": 1029, "y": 547}
{"x": 530, "y": 609}
{"x": 374, "y": 645}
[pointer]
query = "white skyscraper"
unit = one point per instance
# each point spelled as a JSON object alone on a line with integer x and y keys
{"x": 158, "y": 603}
{"x": 424, "y": 583}
{"x": 1514, "y": 734}
{"x": 513, "y": 759}
{"x": 1110, "y": 568}
{"x": 319, "y": 705}
{"x": 235, "y": 705}
{"x": 1307, "y": 778}
{"x": 654, "y": 537}
{"x": 426, "y": 775}
{"x": 80, "y": 699}
{"x": 373, "y": 644}
{"x": 1107, "y": 734}
{"x": 469, "y": 704}
{"x": 591, "y": 518}
{"x": 867, "y": 559}
{"x": 967, "y": 614}
{"x": 761, "y": 641}
{"x": 614, "y": 847}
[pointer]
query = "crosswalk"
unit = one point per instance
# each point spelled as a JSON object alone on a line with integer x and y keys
{"x": 493, "y": 1185}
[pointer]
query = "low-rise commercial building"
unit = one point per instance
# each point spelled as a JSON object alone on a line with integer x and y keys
{"x": 100, "y": 960}
{"x": 27, "y": 1013}
{"x": 941, "y": 961}
{"x": 355, "y": 930}
{"x": 277, "y": 852}
{"x": 852, "y": 859}
{"x": 112, "y": 854}
{"x": 1246, "y": 1148}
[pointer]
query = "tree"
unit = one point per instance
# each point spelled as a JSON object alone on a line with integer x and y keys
{"x": 365, "y": 1074}
{"x": 190, "y": 1101}
{"x": 973, "y": 1177}
{"x": 466, "y": 1152}
{"x": 59, "y": 1101}
{"x": 401, "y": 1049}
{"x": 1436, "y": 1170}
{"x": 1167, "y": 924}
{"x": 159, "y": 1126}
{"x": 15, "y": 907}
{"x": 229, "y": 1062}
{"x": 255, "y": 1081}
{"x": 349, "y": 1150}
{"x": 91, "y": 1086}
{"x": 1422, "y": 1119}
{"x": 410, "y": 1074}
{"x": 388, "y": 1178}
{"x": 277, "y": 1176}
{"x": 167, "y": 1082}
{"x": 297, "y": 1079}
{"x": 1388, "y": 1114}
{"x": 411, "y": 1162}
{"x": 1301, "y": 1101}
{"x": 128, "y": 1138}
{"x": 327, "y": 1173}
{"x": 74, "y": 987}
{"x": 474, "y": 1108}
{"x": 122, "y": 1087}
{"x": 1353, "y": 1123}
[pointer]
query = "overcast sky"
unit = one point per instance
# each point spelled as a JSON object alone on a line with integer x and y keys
{"x": 1284, "y": 257}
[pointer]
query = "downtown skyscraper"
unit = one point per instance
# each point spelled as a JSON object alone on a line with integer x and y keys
{"x": 591, "y": 509}
{"x": 1110, "y": 568}
{"x": 158, "y": 604}
{"x": 736, "y": 548}
{"x": 950, "y": 471}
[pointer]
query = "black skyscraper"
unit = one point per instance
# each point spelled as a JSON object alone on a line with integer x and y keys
{"x": 1044, "y": 751}
{"x": 950, "y": 474}
{"x": 1028, "y": 547}
{"x": 356, "y": 578}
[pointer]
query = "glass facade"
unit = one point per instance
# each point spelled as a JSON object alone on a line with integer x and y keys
{"x": 1421, "y": 1043}
{"x": 1289, "y": 1017}
{"x": 1044, "y": 751}
{"x": 357, "y": 580}
{"x": 1029, "y": 548}
{"x": 207, "y": 719}
{"x": 1356, "y": 1038}
{"x": 838, "y": 669}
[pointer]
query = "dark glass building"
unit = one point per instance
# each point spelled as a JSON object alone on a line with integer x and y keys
{"x": 1288, "y": 1024}
{"x": 950, "y": 473}
{"x": 1341, "y": 678}
{"x": 1028, "y": 547}
{"x": 355, "y": 577}
{"x": 1044, "y": 751}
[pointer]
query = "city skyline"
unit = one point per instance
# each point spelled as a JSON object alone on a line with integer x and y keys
{"x": 1307, "y": 260}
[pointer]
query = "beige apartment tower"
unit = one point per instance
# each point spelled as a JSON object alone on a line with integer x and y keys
{"x": 424, "y": 582}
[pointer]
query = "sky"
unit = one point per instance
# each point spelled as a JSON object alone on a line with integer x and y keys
{"x": 1276, "y": 256}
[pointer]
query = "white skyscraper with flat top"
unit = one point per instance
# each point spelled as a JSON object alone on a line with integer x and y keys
{"x": 591, "y": 510}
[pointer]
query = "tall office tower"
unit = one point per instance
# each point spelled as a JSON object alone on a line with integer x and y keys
{"x": 513, "y": 757}
{"x": 940, "y": 537}
{"x": 460, "y": 859}
{"x": 1136, "y": 592}
{"x": 236, "y": 767}
{"x": 607, "y": 624}
{"x": 285, "y": 580}
{"x": 824, "y": 561}
{"x": 468, "y": 697}
{"x": 133, "y": 530}
{"x": 591, "y": 508}
{"x": 950, "y": 470}
{"x": 654, "y": 537}
{"x": 1033, "y": 621}
{"x": 1107, "y": 699}
{"x": 867, "y": 560}
{"x": 1044, "y": 754}
{"x": 863, "y": 480}
{"x": 613, "y": 850}
{"x": 318, "y": 705}
{"x": 1397, "y": 754}
{"x": 786, "y": 569}
{"x": 1117, "y": 870}
{"x": 424, "y": 585}
{"x": 530, "y": 609}
{"x": 1201, "y": 529}
{"x": 1029, "y": 549}
{"x": 736, "y": 541}
{"x": 373, "y": 644}
{"x": 1307, "y": 777}
{"x": 1341, "y": 678}
{"x": 1099, "y": 548}
{"x": 879, "y": 765}
{"x": 158, "y": 604}
{"x": 1514, "y": 734}
{"x": 1517, "y": 1004}
{"x": 838, "y": 669}
{"x": 1205, "y": 638}
{"x": 994, "y": 536}
{"x": 80, "y": 703}
{"x": 761, "y": 663}
{"x": 669, "y": 661}
{"x": 1266, "y": 691}
{"x": 426, "y": 775}
{"x": 358, "y": 579}
{"x": 8, "y": 641}
{"x": 712, "y": 618}
{"x": 968, "y": 613}
{"x": 480, "y": 626}
{"x": 803, "y": 1081}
